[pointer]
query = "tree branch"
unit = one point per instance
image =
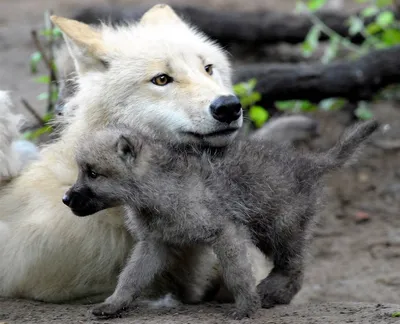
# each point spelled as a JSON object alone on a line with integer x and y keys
{"x": 268, "y": 27}
{"x": 354, "y": 80}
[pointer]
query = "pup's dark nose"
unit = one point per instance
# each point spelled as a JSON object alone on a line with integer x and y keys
{"x": 226, "y": 109}
{"x": 66, "y": 199}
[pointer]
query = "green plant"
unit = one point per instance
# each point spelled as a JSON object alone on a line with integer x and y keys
{"x": 248, "y": 98}
{"x": 396, "y": 314}
{"x": 375, "y": 23}
{"x": 44, "y": 54}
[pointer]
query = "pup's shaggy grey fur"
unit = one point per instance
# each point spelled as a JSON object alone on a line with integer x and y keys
{"x": 184, "y": 198}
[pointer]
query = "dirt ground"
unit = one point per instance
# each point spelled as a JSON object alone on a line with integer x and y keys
{"x": 315, "y": 313}
{"x": 353, "y": 271}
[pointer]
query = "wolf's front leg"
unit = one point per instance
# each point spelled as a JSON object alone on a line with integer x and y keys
{"x": 147, "y": 260}
{"x": 231, "y": 250}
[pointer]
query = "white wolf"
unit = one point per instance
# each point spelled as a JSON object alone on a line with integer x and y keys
{"x": 159, "y": 73}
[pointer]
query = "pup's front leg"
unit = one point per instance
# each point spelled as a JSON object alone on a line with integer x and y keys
{"x": 147, "y": 260}
{"x": 231, "y": 250}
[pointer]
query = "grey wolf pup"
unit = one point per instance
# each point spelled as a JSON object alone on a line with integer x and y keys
{"x": 182, "y": 197}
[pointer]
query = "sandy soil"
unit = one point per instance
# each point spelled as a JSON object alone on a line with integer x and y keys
{"x": 352, "y": 275}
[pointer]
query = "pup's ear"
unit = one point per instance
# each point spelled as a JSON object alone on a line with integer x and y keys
{"x": 160, "y": 14}
{"x": 125, "y": 149}
{"x": 84, "y": 43}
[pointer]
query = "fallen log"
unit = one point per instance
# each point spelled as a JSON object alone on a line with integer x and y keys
{"x": 254, "y": 28}
{"x": 354, "y": 80}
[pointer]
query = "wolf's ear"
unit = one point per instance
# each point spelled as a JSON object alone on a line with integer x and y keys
{"x": 160, "y": 14}
{"x": 84, "y": 43}
{"x": 125, "y": 149}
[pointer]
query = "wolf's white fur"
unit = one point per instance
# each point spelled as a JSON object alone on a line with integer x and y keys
{"x": 46, "y": 252}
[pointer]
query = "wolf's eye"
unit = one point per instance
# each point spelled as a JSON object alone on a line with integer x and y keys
{"x": 209, "y": 69}
{"x": 162, "y": 80}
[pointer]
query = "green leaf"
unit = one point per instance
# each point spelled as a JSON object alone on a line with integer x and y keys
{"x": 244, "y": 88}
{"x": 391, "y": 37}
{"x": 251, "y": 84}
{"x": 239, "y": 90}
{"x": 27, "y": 135}
{"x": 315, "y": 4}
{"x": 34, "y": 60}
{"x": 258, "y": 115}
{"x": 46, "y": 32}
{"x": 383, "y": 3}
{"x": 385, "y": 19}
{"x": 331, "y": 51}
{"x": 305, "y": 105}
{"x": 296, "y": 105}
{"x": 332, "y": 104}
{"x": 43, "y": 96}
{"x": 245, "y": 92}
{"x": 356, "y": 25}
{"x": 373, "y": 28}
{"x": 49, "y": 116}
{"x": 57, "y": 33}
{"x": 54, "y": 95}
{"x": 369, "y": 11}
{"x": 32, "y": 135}
{"x": 285, "y": 105}
{"x": 396, "y": 314}
{"x": 363, "y": 111}
{"x": 311, "y": 42}
{"x": 307, "y": 49}
{"x": 250, "y": 99}
{"x": 43, "y": 79}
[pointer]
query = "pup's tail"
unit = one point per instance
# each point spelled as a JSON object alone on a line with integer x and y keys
{"x": 346, "y": 147}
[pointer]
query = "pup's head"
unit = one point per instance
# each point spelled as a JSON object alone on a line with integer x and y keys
{"x": 159, "y": 72}
{"x": 110, "y": 163}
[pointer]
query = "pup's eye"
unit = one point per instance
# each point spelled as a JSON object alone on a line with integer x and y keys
{"x": 162, "y": 80}
{"x": 92, "y": 174}
{"x": 209, "y": 69}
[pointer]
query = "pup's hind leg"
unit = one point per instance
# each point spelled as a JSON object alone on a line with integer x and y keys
{"x": 286, "y": 277}
{"x": 231, "y": 251}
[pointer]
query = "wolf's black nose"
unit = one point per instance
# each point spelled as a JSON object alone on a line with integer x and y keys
{"x": 226, "y": 109}
{"x": 66, "y": 199}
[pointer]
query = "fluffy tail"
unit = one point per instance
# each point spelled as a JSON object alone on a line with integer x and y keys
{"x": 346, "y": 147}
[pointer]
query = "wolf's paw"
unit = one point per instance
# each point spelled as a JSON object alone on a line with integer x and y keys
{"x": 107, "y": 310}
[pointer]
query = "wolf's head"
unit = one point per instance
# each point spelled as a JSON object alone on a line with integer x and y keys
{"x": 159, "y": 73}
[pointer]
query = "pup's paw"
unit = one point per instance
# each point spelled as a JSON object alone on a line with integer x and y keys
{"x": 247, "y": 308}
{"x": 238, "y": 314}
{"x": 107, "y": 310}
{"x": 278, "y": 289}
